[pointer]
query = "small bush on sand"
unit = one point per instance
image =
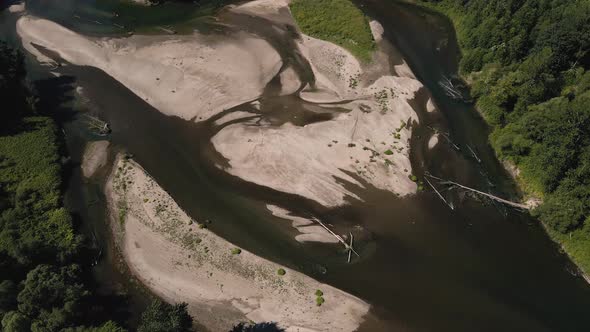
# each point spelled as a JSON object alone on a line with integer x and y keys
{"x": 319, "y": 301}
{"x": 281, "y": 272}
{"x": 236, "y": 251}
{"x": 319, "y": 293}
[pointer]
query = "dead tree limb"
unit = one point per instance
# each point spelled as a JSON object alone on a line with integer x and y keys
{"x": 338, "y": 237}
{"x": 496, "y": 198}
{"x": 473, "y": 153}
{"x": 439, "y": 194}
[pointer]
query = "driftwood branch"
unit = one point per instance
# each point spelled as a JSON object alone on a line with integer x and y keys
{"x": 496, "y": 198}
{"x": 338, "y": 237}
{"x": 439, "y": 194}
{"x": 474, "y": 155}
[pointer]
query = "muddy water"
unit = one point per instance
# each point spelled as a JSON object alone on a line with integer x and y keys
{"x": 480, "y": 267}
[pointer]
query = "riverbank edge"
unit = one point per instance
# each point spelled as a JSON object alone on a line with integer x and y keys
{"x": 341, "y": 311}
{"x": 511, "y": 168}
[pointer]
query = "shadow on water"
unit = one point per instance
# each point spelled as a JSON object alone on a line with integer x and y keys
{"x": 423, "y": 266}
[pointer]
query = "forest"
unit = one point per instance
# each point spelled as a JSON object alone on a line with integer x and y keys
{"x": 528, "y": 64}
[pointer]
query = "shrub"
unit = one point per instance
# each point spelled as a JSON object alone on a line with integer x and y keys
{"x": 236, "y": 251}
{"x": 281, "y": 272}
{"x": 319, "y": 293}
{"x": 319, "y": 300}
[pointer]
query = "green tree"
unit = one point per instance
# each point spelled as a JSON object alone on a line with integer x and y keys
{"x": 16, "y": 98}
{"x": 14, "y": 321}
{"x": 164, "y": 317}
{"x": 109, "y": 326}
{"x": 53, "y": 296}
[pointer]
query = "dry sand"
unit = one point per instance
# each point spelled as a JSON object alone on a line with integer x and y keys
{"x": 368, "y": 144}
{"x": 181, "y": 262}
{"x": 95, "y": 157}
{"x": 290, "y": 82}
{"x": 17, "y": 8}
{"x": 430, "y": 106}
{"x": 433, "y": 141}
{"x": 193, "y": 77}
{"x": 377, "y": 30}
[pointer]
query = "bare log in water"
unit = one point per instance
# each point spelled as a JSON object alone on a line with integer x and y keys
{"x": 439, "y": 194}
{"x": 496, "y": 198}
{"x": 338, "y": 237}
{"x": 169, "y": 31}
{"x": 474, "y": 155}
{"x": 446, "y": 136}
{"x": 449, "y": 88}
{"x": 101, "y": 127}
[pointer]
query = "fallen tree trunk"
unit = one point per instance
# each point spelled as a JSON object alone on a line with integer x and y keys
{"x": 496, "y": 198}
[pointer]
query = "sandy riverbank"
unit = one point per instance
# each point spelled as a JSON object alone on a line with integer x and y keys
{"x": 192, "y": 77}
{"x": 180, "y": 261}
{"x": 197, "y": 76}
{"x": 331, "y": 161}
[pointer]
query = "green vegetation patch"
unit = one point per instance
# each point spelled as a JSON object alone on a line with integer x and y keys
{"x": 576, "y": 244}
{"x": 30, "y": 196}
{"x": 281, "y": 272}
{"x": 319, "y": 301}
{"x": 336, "y": 21}
{"x": 236, "y": 251}
{"x": 530, "y": 72}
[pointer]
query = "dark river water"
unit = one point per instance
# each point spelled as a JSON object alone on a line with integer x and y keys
{"x": 423, "y": 266}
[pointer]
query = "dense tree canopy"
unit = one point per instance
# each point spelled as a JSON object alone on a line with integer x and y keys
{"x": 164, "y": 317}
{"x": 529, "y": 61}
{"x": 41, "y": 287}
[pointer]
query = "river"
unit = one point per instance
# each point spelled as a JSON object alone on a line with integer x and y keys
{"x": 424, "y": 267}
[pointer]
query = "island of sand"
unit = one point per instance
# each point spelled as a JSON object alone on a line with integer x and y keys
{"x": 197, "y": 76}
{"x": 180, "y": 260}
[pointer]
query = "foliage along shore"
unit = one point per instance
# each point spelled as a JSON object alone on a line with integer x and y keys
{"x": 528, "y": 63}
{"x": 336, "y": 21}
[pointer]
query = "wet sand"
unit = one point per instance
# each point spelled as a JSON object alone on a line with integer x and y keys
{"x": 95, "y": 156}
